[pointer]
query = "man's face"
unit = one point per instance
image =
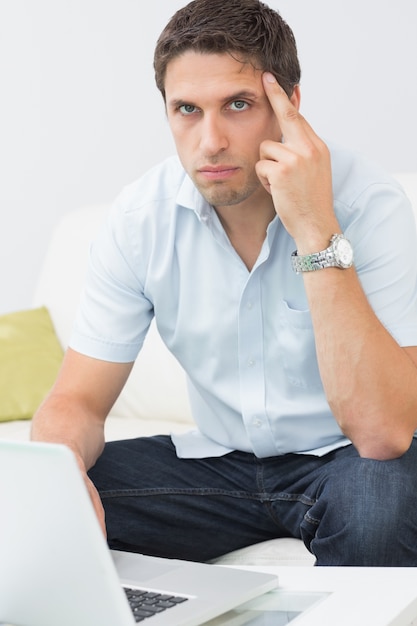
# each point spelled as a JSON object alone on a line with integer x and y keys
{"x": 219, "y": 114}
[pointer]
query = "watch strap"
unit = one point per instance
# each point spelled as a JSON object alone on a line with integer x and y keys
{"x": 325, "y": 258}
{"x": 313, "y": 262}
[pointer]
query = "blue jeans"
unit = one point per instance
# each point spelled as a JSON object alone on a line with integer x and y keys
{"x": 348, "y": 510}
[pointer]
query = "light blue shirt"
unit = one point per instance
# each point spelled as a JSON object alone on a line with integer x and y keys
{"x": 244, "y": 338}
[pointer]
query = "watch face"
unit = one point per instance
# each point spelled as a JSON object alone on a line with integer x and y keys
{"x": 343, "y": 252}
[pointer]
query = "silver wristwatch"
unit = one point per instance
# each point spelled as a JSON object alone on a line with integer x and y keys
{"x": 338, "y": 254}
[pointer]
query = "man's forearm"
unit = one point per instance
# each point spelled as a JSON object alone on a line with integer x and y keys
{"x": 60, "y": 420}
{"x": 75, "y": 411}
{"x": 369, "y": 380}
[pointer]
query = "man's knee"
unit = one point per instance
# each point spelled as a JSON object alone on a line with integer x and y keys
{"x": 365, "y": 514}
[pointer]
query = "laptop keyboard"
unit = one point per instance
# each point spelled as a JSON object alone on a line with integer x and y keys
{"x": 145, "y": 604}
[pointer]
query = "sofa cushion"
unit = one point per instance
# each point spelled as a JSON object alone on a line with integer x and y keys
{"x": 285, "y": 551}
{"x": 30, "y": 356}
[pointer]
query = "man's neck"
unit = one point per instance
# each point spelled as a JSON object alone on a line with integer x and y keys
{"x": 246, "y": 230}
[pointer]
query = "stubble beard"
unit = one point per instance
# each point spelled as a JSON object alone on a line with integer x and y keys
{"x": 221, "y": 194}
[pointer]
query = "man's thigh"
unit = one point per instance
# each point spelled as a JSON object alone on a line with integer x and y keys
{"x": 365, "y": 510}
{"x": 196, "y": 509}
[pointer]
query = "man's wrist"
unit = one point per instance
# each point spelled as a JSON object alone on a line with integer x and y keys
{"x": 338, "y": 254}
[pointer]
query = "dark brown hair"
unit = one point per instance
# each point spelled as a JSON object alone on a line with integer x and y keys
{"x": 247, "y": 29}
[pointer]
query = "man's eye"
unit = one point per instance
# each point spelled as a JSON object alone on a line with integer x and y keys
{"x": 187, "y": 109}
{"x": 239, "y": 105}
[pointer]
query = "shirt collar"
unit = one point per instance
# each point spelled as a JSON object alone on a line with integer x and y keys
{"x": 189, "y": 197}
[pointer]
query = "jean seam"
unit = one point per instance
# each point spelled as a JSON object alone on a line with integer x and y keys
{"x": 311, "y": 520}
{"x": 117, "y": 493}
{"x": 280, "y": 496}
{"x": 259, "y": 496}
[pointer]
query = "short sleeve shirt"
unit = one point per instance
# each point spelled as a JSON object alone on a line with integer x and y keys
{"x": 244, "y": 338}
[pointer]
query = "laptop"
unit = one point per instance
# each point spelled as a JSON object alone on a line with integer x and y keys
{"x": 57, "y": 570}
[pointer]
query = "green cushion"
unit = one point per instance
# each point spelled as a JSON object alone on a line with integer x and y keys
{"x": 30, "y": 357}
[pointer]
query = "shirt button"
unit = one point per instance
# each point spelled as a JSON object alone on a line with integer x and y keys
{"x": 257, "y": 421}
{"x": 249, "y": 304}
{"x": 251, "y": 363}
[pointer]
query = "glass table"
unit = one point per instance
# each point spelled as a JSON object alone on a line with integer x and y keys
{"x": 275, "y": 608}
{"x": 321, "y": 596}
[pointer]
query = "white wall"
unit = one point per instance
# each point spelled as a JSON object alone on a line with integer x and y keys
{"x": 80, "y": 116}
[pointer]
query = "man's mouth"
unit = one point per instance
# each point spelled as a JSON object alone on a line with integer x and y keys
{"x": 217, "y": 172}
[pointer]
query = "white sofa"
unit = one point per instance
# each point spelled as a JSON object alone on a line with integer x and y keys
{"x": 154, "y": 399}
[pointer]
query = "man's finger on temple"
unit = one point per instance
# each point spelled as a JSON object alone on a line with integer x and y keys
{"x": 292, "y": 123}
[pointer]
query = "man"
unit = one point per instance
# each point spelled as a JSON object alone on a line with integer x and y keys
{"x": 282, "y": 276}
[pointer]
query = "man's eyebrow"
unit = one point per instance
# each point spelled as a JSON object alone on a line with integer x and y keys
{"x": 175, "y": 103}
{"x": 240, "y": 95}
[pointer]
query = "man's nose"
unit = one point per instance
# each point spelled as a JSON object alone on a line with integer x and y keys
{"x": 213, "y": 135}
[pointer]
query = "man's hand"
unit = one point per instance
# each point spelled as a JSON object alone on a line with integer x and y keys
{"x": 94, "y": 495}
{"x": 297, "y": 173}
{"x": 75, "y": 411}
{"x": 96, "y": 500}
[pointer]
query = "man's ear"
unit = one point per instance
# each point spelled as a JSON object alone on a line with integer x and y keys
{"x": 296, "y": 97}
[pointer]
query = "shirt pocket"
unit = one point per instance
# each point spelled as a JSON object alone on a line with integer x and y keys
{"x": 298, "y": 348}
